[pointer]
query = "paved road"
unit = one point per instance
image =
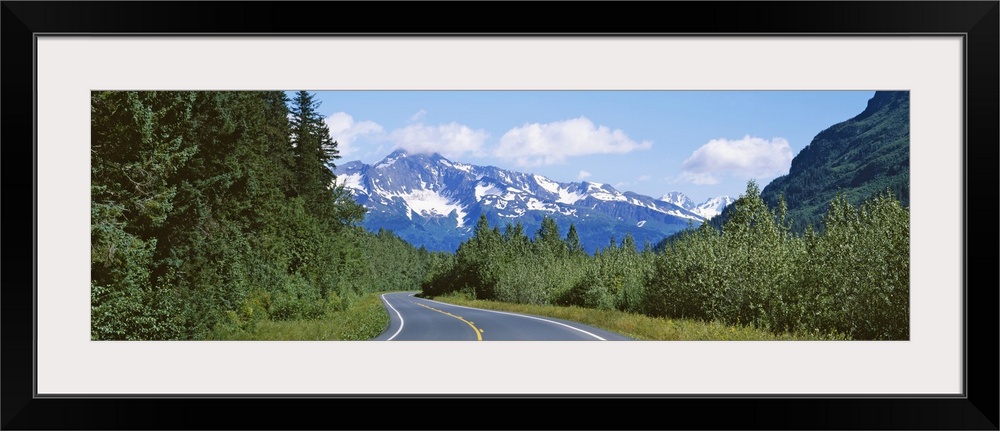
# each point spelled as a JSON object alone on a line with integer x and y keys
{"x": 417, "y": 319}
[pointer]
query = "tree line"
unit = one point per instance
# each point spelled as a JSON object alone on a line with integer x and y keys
{"x": 221, "y": 208}
{"x": 850, "y": 279}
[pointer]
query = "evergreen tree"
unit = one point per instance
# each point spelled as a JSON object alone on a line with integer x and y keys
{"x": 315, "y": 156}
{"x": 628, "y": 243}
{"x": 573, "y": 241}
{"x": 315, "y": 150}
{"x": 277, "y": 127}
{"x": 138, "y": 145}
{"x": 517, "y": 242}
{"x": 200, "y": 217}
{"x": 547, "y": 239}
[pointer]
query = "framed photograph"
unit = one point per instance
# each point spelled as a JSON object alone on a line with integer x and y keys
{"x": 69, "y": 61}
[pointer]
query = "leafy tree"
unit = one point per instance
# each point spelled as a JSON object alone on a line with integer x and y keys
{"x": 860, "y": 268}
{"x": 858, "y": 158}
{"x": 204, "y": 214}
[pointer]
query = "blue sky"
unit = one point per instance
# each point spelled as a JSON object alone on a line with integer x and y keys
{"x": 701, "y": 143}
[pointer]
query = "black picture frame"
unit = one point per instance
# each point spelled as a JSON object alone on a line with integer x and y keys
{"x": 976, "y": 21}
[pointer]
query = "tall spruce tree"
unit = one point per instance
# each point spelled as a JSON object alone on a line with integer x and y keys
{"x": 547, "y": 239}
{"x": 315, "y": 154}
{"x": 573, "y": 241}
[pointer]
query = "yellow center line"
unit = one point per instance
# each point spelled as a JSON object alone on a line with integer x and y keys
{"x": 479, "y": 335}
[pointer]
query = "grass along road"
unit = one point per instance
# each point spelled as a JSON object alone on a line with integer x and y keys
{"x": 367, "y": 317}
{"x": 638, "y": 326}
{"x": 363, "y": 319}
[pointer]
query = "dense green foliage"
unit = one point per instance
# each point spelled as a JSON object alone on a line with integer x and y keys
{"x": 216, "y": 215}
{"x": 638, "y": 326}
{"x": 544, "y": 269}
{"x": 363, "y": 319}
{"x": 856, "y": 159}
{"x": 220, "y": 208}
{"x": 851, "y": 280}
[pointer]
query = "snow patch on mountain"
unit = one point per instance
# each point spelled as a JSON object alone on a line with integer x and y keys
{"x": 352, "y": 181}
{"x": 569, "y": 198}
{"x": 547, "y": 184}
{"x": 432, "y": 200}
{"x": 432, "y": 203}
{"x": 713, "y": 206}
{"x": 600, "y": 192}
{"x": 679, "y": 199}
{"x": 487, "y": 189}
{"x": 536, "y": 205}
{"x": 707, "y": 210}
{"x": 389, "y": 161}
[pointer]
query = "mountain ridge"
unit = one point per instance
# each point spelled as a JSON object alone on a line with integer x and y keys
{"x": 859, "y": 157}
{"x": 432, "y": 201}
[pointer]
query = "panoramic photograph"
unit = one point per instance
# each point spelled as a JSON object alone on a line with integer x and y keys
{"x": 500, "y": 215}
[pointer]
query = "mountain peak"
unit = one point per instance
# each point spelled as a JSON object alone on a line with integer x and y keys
{"x": 391, "y": 159}
{"x": 679, "y": 199}
{"x": 857, "y": 158}
{"x": 398, "y": 153}
{"x": 430, "y": 200}
{"x": 708, "y": 209}
{"x": 402, "y": 152}
{"x": 881, "y": 100}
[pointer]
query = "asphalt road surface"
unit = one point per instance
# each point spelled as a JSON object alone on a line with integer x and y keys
{"x": 417, "y": 319}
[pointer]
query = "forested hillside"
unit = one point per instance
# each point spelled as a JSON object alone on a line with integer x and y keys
{"x": 859, "y": 158}
{"x": 851, "y": 280}
{"x": 212, "y": 212}
{"x": 824, "y": 249}
{"x": 212, "y": 209}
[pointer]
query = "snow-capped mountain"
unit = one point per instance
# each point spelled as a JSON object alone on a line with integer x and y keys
{"x": 435, "y": 202}
{"x": 679, "y": 199}
{"x": 713, "y": 206}
{"x": 708, "y": 209}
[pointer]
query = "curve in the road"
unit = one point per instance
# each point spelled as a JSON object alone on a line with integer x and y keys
{"x": 479, "y": 334}
{"x": 386, "y": 301}
{"x": 525, "y": 316}
{"x": 417, "y": 315}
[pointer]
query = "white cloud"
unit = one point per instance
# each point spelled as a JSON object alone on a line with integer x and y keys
{"x": 582, "y": 175}
{"x": 418, "y": 116}
{"x": 644, "y": 178}
{"x": 545, "y": 144}
{"x": 345, "y": 131}
{"x": 450, "y": 140}
{"x": 700, "y": 179}
{"x": 749, "y": 157}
